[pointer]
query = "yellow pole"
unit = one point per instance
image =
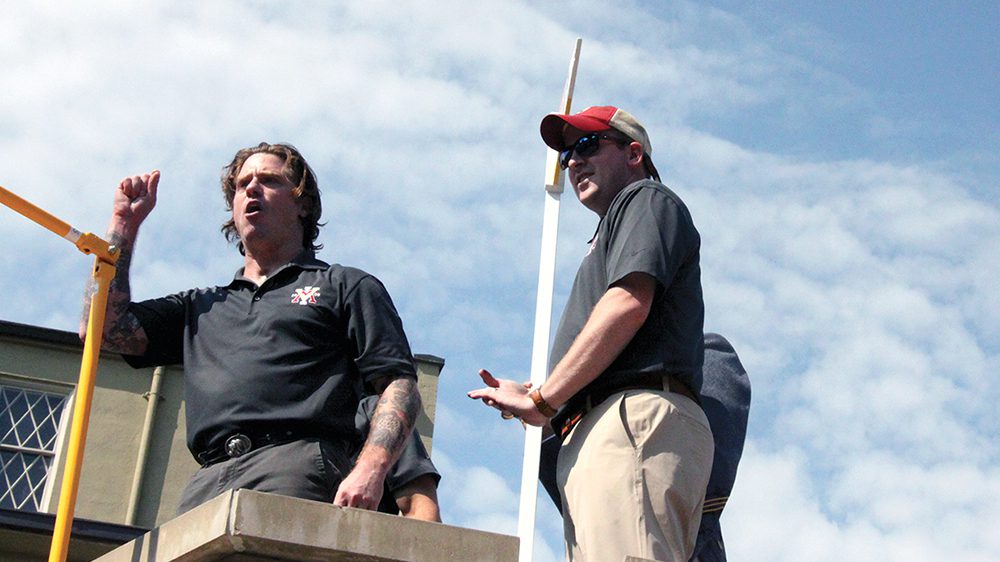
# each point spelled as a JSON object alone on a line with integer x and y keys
{"x": 103, "y": 274}
{"x": 86, "y": 242}
{"x": 36, "y": 214}
{"x": 105, "y": 257}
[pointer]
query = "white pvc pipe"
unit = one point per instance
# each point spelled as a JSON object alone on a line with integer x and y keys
{"x": 543, "y": 323}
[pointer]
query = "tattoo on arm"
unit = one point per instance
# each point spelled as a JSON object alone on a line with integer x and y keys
{"x": 394, "y": 416}
{"x": 122, "y": 331}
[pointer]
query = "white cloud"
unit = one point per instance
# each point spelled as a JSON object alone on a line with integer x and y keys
{"x": 475, "y": 495}
{"x": 882, "y": 508}
{"x": 772, "y": 489}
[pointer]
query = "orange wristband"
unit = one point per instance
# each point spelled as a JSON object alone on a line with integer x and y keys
{"x": 540, "y": 404}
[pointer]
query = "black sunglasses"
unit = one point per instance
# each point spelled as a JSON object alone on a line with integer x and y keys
{"x": 587, "y": 146}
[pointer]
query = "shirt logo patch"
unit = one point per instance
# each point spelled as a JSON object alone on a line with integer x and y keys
{"x": 305, "y": 295}
{"x": 593, "y": 245}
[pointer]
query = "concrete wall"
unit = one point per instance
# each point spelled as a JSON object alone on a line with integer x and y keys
{"x": 428, "y": 372}
{"x": 116, "y": 420}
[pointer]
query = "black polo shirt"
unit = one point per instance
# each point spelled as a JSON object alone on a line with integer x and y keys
{"x": 647, "y": 229}
{"x": 292, "y": 353}
{"x": 413, "y": 461}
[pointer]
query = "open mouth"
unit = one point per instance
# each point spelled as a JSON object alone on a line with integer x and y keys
{"x": 252, "y": 207}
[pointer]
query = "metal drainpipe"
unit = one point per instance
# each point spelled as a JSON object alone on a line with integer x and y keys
{"x": 153, "y": 397}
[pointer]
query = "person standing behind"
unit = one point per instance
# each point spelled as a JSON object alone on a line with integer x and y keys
{"x": 626, "y": 361}
{"x": 275, "y": 361}
{"x": 411, "y": 485}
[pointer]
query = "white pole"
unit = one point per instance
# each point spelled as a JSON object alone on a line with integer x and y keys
{"x": 543, "y": 321}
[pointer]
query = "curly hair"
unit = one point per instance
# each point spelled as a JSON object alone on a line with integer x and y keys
{"x": 298, "y": 172}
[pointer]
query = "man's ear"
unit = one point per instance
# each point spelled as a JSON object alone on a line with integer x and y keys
{"x": 634, "y": 154}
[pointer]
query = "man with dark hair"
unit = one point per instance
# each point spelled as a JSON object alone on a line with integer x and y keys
{"x": 304, "y": 188}
{"x": 626, "y": 361}
{"x": 275, "y": 361}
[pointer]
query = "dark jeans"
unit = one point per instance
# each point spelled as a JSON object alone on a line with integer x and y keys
{"x": 309, "y": 469}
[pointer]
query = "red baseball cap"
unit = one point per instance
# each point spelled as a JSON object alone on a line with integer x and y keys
{"x": 592, "y": 120}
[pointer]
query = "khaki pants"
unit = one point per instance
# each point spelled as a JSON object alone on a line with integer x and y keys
{"x": 632, "y": 474}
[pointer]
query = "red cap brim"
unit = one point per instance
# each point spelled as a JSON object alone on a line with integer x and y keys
{"x": 590, "y": 120}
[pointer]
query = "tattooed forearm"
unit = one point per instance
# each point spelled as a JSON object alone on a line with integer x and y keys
{"x": 394, "y": 416}
{"x": 122, "y": 331}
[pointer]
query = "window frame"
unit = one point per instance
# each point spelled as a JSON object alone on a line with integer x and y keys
{"x": 53, "y": 477}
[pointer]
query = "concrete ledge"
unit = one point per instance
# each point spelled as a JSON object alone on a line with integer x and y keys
{"x": 244, "y": 525}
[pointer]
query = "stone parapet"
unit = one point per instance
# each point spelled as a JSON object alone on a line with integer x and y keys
{"x": 245, "y": 525}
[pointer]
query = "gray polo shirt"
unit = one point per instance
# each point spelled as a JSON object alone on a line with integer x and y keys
{"x": 293, "y": 353}
{"x": 647, "y": 229}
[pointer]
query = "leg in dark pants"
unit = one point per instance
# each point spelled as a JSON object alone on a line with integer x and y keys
{"x": 309, "y": 469}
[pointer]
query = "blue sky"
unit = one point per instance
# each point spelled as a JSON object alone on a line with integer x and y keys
{"x": 840, "y": 163}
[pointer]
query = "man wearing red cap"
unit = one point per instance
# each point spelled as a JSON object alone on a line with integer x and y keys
{"x": 626, "y": 362}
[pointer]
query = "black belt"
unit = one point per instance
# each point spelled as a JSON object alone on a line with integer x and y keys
{"x": 587, "y": 402}
{"x": 239, "y": 444}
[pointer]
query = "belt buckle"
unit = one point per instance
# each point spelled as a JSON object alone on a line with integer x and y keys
{"x": 238, "y": 445}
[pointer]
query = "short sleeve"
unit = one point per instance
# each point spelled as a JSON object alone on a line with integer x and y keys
{"x": 376, "y": 332}
{"x": 163, "y": 321}
{"x": 649, "y": 232}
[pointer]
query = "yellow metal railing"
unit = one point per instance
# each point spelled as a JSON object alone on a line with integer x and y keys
{"x": 105, "y": 256}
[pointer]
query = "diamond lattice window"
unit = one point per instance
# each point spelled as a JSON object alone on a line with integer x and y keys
{"x": 29, "y": 427}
